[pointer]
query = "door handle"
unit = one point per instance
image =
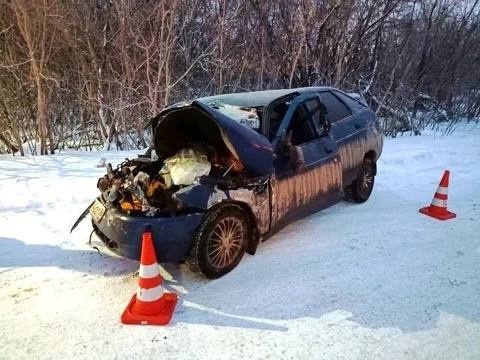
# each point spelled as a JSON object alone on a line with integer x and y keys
{"x": 329, "y": 150}
{"x": 357, "y": 126}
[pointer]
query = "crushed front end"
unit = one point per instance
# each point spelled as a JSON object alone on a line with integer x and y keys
{"x": 141, "y": 192}
{"x": 200, "y": 158}
{"x": 121, "y": 232}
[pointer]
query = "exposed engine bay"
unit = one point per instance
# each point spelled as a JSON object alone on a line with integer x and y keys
{"x": 200, "y": 157}
{"x": 147, "y": 186}
{"x": 189, "y": 147}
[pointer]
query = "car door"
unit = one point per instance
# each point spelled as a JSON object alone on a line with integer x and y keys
{"x": 348, "y": 129}
{"x": 315, "y": 183}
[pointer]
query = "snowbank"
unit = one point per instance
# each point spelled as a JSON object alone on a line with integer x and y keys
{"x": 368, "y": 281}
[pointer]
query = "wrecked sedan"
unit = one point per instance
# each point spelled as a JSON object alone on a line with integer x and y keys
{"x": 227, "y": 171}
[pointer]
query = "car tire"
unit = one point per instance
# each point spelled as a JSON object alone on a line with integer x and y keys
{"x": 361, "y": 188}
{"x": 220, "y": 241}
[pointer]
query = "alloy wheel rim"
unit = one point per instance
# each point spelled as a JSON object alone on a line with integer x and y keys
{"x": 366, "y": 182}
{"x": 225, "y": 242}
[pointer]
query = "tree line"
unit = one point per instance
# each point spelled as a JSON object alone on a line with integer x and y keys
{"x": 90, "y": 73}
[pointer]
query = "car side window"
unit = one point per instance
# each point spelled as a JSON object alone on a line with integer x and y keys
{"x": 276, "y": 116}
{"x": 317, "y": 112}
{"x": 336, "y": 110}
{"x": 301, "y": 128}
{"x": 353, "y": 104}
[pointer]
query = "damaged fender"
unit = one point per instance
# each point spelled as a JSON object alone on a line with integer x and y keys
{"x": 253, "y": 196}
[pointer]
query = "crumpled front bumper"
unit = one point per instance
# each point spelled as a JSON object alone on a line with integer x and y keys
{"x": 172, "y": 236}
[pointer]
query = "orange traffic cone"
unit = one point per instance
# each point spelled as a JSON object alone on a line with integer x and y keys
{"x": 150, "y": 305}
{"x": 438, "y": 207}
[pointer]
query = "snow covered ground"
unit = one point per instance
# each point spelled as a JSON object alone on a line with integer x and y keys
{"x": 377, "y": 280}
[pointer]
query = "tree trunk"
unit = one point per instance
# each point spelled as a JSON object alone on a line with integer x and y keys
{"x": 8, "y": 144}
{"x": 42, "y": 118}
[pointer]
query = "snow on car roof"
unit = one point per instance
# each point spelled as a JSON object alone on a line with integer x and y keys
{"x": 255, "y": 98}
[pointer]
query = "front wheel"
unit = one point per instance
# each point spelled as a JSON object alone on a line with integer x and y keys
{"x": 220, "y": 242}
{"x": 361, "y": 188}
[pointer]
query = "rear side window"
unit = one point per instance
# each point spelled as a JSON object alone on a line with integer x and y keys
{"x": 336, "y": 110}
{"x": 351, "y": 103}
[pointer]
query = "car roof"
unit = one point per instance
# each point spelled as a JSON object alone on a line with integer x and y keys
{"x": 257, "y": 98}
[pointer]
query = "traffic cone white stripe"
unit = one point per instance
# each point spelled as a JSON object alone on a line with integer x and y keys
{"x": 149, "y": 295}
{"x": 439, "y": 202}
{"x": 149, "y": 271}
{"x": 150, "y": 305}
{"x": 442, "y": 190}
{"x": 438, "y": 207}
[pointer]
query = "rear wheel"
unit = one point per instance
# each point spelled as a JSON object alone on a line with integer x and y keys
{"x": 361, "y": 188}
{"x": 220, "y": 242}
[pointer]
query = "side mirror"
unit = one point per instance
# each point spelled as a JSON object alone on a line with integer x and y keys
{"x": 295, "y": 155}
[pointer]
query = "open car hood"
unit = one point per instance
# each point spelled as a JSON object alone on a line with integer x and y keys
{"x": 198, "y": 120}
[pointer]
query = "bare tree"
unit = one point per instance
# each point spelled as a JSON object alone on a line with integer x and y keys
{"x": 89, "y": 73}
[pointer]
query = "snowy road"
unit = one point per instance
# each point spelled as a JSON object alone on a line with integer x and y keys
{"x": 368, "y": 281}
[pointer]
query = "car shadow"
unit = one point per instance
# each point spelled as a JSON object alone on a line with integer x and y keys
{"x": 15, "y": 253}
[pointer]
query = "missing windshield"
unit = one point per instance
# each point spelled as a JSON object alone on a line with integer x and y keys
{"x": 247, "y": 116}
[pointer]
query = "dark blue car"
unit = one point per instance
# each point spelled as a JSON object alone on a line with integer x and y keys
{"x": 274, "y": 156}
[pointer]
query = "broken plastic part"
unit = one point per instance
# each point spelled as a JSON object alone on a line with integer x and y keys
{"x": 141, "y": 179}
{"x": 126, "y": 205}
{"x": 196, "y": 195}
{"x": 152, "y": 187}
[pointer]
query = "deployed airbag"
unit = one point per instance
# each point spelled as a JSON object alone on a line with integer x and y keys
{"x": 186, "y": 165}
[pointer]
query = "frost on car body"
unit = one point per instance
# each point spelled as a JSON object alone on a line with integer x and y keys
{"x": 228, "y": 170}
